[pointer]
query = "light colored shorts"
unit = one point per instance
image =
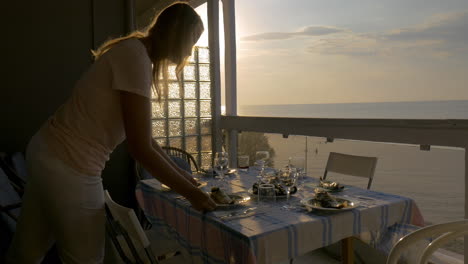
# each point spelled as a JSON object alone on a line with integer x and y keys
{"x": 61, "y": 206}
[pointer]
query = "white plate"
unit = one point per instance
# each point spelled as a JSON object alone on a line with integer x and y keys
{"x": 238, "y": 200}
{"x": 312, "y": 203}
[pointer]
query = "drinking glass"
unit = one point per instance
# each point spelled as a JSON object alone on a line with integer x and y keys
{"x": 266, "y": 193}
{"x": 243, "y": 162}
{"x": 221, "y": 161}
{"x": 288, "y": 179}
{"x": 261, "y": 158}
{"x": 299, "y": 164}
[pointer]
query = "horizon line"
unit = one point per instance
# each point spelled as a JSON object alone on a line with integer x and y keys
{"x": 422, "y": 101}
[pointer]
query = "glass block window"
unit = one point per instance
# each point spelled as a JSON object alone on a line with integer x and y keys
{"x": 184, "y": 119}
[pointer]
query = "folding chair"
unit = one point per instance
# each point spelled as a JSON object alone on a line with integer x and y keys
{"x": 358, "y": 166}
{"x": 128, "y": 236}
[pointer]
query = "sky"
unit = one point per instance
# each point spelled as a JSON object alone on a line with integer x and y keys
{"x": 340, "y": 51}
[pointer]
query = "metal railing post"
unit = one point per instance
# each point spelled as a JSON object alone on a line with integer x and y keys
{"x": 230, "y": 74}
{"x": 213, "y": 43}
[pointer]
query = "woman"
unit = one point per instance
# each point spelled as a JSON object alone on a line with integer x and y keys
{"x": 64, "y": 200}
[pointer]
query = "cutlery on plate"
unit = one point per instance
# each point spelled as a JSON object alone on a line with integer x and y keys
{"x": 353, "y": 197}
{"x": 365, "y": 198}
{"x": 238, "y": 213}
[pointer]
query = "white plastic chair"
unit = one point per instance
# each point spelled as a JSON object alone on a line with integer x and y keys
{"x": 128, "y": 236}
{"x": 359, "y": 166}
{"x": 443, "y": 232}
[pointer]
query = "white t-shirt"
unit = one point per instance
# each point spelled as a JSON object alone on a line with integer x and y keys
{"x": 89, "y": 125}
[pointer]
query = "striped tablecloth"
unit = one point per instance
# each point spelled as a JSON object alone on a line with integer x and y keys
{"x": 271, "y": 234}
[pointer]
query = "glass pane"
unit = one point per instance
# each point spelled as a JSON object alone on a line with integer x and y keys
{"x": 204, "y": 72}
{"x": 175, "y": 128}
{"x": 191, "y": 108}
{"x": 191, "y": 144}
{"x": 172, "y": 73}
{"x": 159, "y": 128}
{"x": 395, "y": 163}
{"x": 202, "y": 11}
{"x": 174, "y": 90}
{"x": 191, "y": 59}
{"x": 206, "y": 159}
{"x": 190, "y": 90}
{"x": 195, "y": 156}
{"x": 205, "y": 125}
{"x": 251, "y": 142}
{"x": 206, "y": 143}
{"x": 189, "y": 73}
{"x": 205, "y": 90}
{"x": 205, "y": 108}
{"x": 175, "y": 142}
{"x": 158, "y": 109}
{"x": 203, "y": 55}
{"x": 191, "y": 126}
{"x": 161, "y": 141}
{"x": 174, "y": 109}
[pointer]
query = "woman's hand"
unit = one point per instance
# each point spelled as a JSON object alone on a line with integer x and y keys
{"x": 201, "y": 201}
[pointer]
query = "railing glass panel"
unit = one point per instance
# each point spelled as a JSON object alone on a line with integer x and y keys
{"x": 434, "y": 179}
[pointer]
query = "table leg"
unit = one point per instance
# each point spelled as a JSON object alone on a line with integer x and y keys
{"x": 347, "y": 251}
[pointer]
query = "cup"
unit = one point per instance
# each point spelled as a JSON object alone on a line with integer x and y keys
{"x": 299, "y": 163}
{"x": 266, "y": 193}
{"x": 243, "y": 162}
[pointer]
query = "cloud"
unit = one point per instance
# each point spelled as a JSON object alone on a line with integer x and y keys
{"x": 307, "y": 31}
{"x": 448, "y": 27}
{"x": 348, "y": 44}
{"x": 268, "y": 36}
{"x": 441, "y": 35}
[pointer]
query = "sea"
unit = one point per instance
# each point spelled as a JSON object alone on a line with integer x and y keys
{"x": 434, "y": 178}
{"x": 450, "y": 109}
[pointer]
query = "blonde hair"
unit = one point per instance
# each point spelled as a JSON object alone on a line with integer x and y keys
{"x": 170, "y": 33}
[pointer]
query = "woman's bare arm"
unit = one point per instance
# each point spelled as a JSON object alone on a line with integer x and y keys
{"x": 136, "y": 114}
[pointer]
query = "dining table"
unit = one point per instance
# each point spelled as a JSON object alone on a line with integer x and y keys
{"x": 268, "y": 232}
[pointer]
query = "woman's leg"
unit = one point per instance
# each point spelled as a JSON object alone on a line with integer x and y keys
{"x": 75, "y": 203}
{"x": 79, "y": 227}
{"x": 33, "y": 236}
{"x": 61, "y": 205}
